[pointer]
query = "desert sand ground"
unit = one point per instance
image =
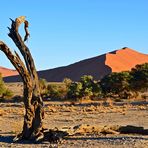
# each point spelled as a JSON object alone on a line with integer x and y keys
{"x": 89, "y": 124}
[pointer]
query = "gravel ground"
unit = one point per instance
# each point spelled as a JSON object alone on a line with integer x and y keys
{"x": 66, "y": 115}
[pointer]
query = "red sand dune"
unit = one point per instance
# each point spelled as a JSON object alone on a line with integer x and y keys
{"x": 125, "y": 59}
{"x": 7, "y": 72}
{"x": 116, "y": 61}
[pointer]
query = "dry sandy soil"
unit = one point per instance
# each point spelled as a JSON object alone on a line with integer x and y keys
{"x": 89, "y": 124}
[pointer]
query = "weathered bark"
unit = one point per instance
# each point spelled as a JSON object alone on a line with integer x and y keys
{"x": 34, "y": 112}
{"x": 34, "y": 103}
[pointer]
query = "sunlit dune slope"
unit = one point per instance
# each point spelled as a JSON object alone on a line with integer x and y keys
{"x": 7, "y": 72}
{"x": 124, "y": 59}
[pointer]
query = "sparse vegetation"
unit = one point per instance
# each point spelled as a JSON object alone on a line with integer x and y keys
{"x": 54, "y": 91}
{"x": 121, "y": 85}
{"x": 43, "y": 87}
{"x": 57, "y": 91}
{"x": 5, "y": 93}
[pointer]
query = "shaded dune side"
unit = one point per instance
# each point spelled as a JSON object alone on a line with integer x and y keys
{"x": 93, "y": 66}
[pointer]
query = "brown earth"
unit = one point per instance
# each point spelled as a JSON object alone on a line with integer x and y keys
{"x": 89, "y": 124}
{"x": 116, "y": 61}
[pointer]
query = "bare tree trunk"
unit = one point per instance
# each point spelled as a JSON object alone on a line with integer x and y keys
{"x": 34, "y": 112}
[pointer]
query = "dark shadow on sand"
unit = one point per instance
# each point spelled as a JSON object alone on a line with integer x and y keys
{"x": 6, "y": 139}
{"x": 9, "y": 139}
{"x": 125, "y": 138}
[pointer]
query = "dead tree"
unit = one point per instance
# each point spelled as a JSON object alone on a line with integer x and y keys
{"x": 34, "y": 111}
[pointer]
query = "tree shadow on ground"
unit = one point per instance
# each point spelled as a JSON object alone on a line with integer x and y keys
{"x": 50, "y": 136}
{"x": 126, "y": 133}
{"x": 9, "y": 140}
{"x": 6, "y": 139}
{"x": 129, "y": 129}
{"x": 108, "y": 138}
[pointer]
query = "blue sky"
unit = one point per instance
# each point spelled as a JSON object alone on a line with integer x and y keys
{"x": 67, "y": 31}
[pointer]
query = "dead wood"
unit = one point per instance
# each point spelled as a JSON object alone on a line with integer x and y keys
{"x": 34, "y": 110}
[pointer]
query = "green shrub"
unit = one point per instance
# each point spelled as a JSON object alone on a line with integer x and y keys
{"x": 67, "y": 82}
{"x": 139, "y": 80}
{"x": 5, "y": 93}
{"x": 87, "y": 88}
{"x": 75, "y": 91}
{"x": 56, "y": 91}
{"x": 116, "y": 85}
{"x": 43, "y": 87}
{"x": 2, "y": 86}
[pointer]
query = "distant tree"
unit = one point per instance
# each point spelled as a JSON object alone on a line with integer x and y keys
{"x": 86, "y": 88}
{"x": 74, "y": 91}
{"x": 139, "y": 80}
{"x": 97, "y": 90}
{"x": 116, "y": 84}
{"x": 67, "y": 82}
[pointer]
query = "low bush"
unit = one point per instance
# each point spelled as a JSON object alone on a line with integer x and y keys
{"x": 5, "y": 93}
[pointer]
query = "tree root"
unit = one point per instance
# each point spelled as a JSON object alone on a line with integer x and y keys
{"x": 46, "y": 135}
